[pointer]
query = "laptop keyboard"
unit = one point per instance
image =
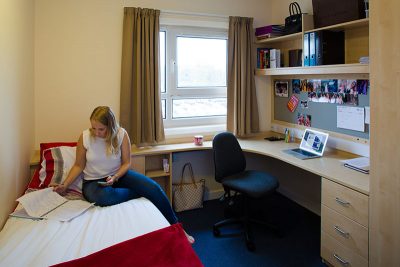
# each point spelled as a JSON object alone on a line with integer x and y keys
{"x": 303, "y": 152}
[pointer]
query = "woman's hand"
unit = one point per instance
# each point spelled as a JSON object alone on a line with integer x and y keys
{"x": 60, "y": 188}
{"x": 110, "y": 180}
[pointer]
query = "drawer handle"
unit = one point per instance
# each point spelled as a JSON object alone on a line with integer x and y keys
{"x": 342, "y": 202}
{"x": 342, "y": 232}
{"x": 342, "y": 261}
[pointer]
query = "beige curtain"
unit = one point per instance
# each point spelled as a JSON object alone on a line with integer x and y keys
{"x": 140, "y": 112}
{"x": 242, "y": 118}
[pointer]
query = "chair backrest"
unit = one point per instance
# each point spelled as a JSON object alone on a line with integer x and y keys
{"x": 228, "y": 156}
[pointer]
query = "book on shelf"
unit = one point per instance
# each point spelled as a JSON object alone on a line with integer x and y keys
{"x": 275, "y": 30}
{"x": 360, "y": 164}
{"x": 275, "y": 58}
{"x": 263, "y": 58}
{"x": 47, "y": 204}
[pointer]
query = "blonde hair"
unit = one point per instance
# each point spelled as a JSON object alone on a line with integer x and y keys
{"x": 105, "y": 116}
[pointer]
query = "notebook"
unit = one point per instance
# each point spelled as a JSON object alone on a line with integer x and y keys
{"x": 312, "y": 145}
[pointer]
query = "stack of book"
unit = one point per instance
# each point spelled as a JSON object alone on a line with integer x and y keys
{"x": 270, "y": 31}
{"x": 268, "y": 58}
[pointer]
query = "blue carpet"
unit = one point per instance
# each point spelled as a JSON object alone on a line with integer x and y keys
{"x": 298, "y": 246}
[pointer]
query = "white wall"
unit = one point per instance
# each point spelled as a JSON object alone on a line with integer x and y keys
{"x": 16, "y": 100}
{"x": 78, "y": 56}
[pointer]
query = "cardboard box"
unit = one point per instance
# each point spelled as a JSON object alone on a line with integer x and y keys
{"x": 330, "y": 12}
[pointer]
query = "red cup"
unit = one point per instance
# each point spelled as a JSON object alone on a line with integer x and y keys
{"x": 198, "y": 140}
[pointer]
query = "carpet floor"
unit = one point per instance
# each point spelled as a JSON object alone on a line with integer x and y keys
{"x": 298, "y": 244}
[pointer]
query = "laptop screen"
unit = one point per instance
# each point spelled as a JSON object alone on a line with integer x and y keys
{"x": 314, "y": 141}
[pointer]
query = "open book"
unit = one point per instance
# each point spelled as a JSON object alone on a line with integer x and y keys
{"x": 47, "y": 204}
{"x": 359, "y": 164}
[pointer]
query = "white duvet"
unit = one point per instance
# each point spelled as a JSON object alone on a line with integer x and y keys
{"x": 24, "y": 242}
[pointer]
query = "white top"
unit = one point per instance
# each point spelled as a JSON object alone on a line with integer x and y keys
{"x": 98, "y": 163}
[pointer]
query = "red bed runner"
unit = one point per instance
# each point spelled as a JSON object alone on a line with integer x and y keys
{"x": 166, "y": 247}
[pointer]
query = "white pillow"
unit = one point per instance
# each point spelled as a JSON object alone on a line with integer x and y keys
{"x": 57, "y": 162}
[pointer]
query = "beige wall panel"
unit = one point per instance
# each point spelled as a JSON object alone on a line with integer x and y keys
{"x": 385, "y": 129}
{"x": 356, "y": 44}
{"x": 16, "y": 101}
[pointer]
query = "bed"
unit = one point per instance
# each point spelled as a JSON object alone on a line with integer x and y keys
{"x": 133, "y": 233}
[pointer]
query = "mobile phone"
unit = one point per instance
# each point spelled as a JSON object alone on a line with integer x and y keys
{"x": 102, "y": 183}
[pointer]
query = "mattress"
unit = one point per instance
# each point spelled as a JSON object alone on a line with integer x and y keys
{"x": 25, "y": 242}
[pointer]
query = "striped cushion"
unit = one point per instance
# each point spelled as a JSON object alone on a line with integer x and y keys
{"x": 56, "y": 164}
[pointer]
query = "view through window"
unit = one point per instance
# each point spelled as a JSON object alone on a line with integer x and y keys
{"x": 193, "y": 76}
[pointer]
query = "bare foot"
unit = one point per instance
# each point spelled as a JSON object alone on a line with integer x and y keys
{"x": 189, "y": 238}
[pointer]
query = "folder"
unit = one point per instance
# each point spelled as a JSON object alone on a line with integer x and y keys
{"x": 318, "y": 48}
{"x": 306, "y": 48}
{"x": 312, "y": 49}
{"x": 329, "y": 48}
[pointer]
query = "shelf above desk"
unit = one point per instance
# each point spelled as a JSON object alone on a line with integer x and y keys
{"x": 316, "y": 70}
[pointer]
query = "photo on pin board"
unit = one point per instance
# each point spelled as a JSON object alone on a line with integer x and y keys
{"x": 362, "y": 87}
{"x": 304, "y": 104}
{"x": 351, "y": 87}
{"x": 296, "y": 86}
{"x": 304, "y": 119}
{"x": 303, "y": 85}
{"x": 310, "y": 86}
{"x": 342, "y": 84}
{"x": 281, "y": 88}
{"x": 329, "y": 86}
{"x": 316, "y": 85}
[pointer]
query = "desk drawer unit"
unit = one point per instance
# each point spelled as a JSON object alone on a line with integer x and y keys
{"x": 345, "y": 201}
{"x": 344, "y": 225}
{"x": 338, "y": 255}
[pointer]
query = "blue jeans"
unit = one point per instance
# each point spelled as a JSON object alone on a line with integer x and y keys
{"x": 131, "y": 185}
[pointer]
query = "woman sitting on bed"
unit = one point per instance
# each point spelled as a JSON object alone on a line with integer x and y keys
{"x": 103, "y": 154}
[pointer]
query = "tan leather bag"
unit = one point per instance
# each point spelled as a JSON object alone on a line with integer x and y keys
{"x": 187, "y": 196}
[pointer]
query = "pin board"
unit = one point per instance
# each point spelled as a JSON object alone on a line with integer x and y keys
{"x": 314, "y": 102}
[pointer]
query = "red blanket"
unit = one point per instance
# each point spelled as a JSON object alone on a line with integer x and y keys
{"x": 167, "y": 247}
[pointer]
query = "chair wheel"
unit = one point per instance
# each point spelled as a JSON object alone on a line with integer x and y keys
{"x": 216, "y": 231}
{"x": 250, "y": 246}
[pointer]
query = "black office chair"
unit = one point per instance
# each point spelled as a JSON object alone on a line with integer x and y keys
{"x": 230, "y": 170}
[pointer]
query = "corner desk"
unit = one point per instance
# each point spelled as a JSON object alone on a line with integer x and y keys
{"x": 344, "y": 192}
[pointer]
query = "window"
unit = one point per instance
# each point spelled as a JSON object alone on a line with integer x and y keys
{"x": 193, "y": 76}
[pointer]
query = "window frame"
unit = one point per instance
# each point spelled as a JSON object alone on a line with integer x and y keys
{"x": 171, "y": 76}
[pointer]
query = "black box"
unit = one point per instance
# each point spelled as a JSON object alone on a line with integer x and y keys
{"x": 329, "y": 47}
{"x": 330, "y": 12}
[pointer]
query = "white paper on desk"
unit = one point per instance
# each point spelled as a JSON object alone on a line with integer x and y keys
{"x": 361, "y": 162}
{"x": 367, "y": 115}
{"x": 351, "y": 118}
{"x": 40, "y": 202}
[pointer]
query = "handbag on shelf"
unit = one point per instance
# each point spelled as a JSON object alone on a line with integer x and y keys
{"x": 187, "y": 196}
{"x": 293, "y": 22}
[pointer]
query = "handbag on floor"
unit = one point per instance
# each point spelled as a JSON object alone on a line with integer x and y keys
{"x": 187, "y": 196}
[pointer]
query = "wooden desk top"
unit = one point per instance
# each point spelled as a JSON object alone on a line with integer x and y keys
{"x": 328, "y": 166}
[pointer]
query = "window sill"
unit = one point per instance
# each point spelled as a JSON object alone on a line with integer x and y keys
{"x": 185, "y": 134}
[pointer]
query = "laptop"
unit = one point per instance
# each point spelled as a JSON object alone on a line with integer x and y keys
{"x": 312, "y": 145}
